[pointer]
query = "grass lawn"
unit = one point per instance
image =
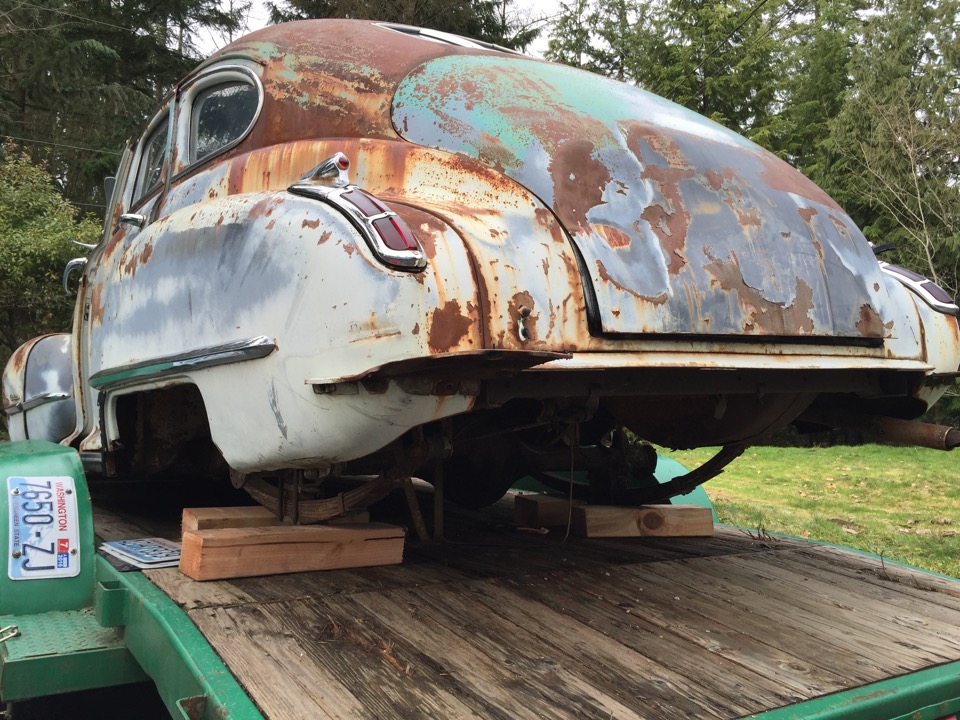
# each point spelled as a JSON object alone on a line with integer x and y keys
{"x": 900, "y": 503}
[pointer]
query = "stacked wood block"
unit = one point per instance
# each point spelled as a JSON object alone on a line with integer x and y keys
{"x": 610, "y": 521}
{"x": 221, "y": 543}
{"x": 542, "y": 510}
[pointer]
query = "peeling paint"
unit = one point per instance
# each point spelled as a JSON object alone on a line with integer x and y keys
{"x": 447, "y": 326}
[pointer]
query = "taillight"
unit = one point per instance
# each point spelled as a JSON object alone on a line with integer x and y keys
{"x": 395, "y": 233}
{"x": 931, "y": 293}
{"x": 385, "y": 232}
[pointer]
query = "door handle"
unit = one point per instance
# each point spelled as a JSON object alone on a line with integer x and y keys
{"x": 75, "y": 264}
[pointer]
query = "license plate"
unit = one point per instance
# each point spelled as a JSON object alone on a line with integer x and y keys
{"x": 44, "y": 537}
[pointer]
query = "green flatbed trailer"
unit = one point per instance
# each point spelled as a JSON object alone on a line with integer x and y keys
{"x": 491, "y": 623}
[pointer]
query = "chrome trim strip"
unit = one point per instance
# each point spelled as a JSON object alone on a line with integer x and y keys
{"x": 147, "y": 370}
{"x": 200, "y": 77}
{"x": 37, "y": 401}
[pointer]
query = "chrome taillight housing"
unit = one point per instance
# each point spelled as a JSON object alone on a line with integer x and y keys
{"x": 385, "y": 232}
{"x": 928, "y": 291}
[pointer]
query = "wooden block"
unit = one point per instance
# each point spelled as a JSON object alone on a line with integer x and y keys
{"x": 643, "y": 521}
{"x": 248, "y": 552}
{"x": 542, "y": 510}
{"x": 213, "y": 518}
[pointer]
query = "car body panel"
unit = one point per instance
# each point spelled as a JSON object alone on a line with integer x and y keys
{"x": 589, "y": 250}
{"x": 684, "y": 226}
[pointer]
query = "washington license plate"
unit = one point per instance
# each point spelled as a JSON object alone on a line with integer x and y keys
{"x": 44, "y": 539}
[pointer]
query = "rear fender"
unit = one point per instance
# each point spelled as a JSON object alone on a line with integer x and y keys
{"x": 249, "y": 296}
{"x": 38, "y": 397}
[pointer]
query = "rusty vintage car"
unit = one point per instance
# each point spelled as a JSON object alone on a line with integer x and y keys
{"x": 357, "y": 248}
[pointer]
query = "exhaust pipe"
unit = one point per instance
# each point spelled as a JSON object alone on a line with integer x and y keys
{"x": 890, "y": 430}
{"x": 911, "y": 432}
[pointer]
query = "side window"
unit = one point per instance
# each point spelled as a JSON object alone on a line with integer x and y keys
{"x": 151, "y": 161}
{"x": 221, "y": 114}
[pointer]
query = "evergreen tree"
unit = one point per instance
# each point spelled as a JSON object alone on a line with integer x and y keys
{"x": 481, "y": 19}
{"x": 816, "y": 52}
{"x": 571, "y": 39}
{"x": 715, "y": 57}
{"x": 897, "y": 135}
{"x": 78, "y": 79}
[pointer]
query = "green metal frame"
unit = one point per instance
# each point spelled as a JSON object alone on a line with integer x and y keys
{"x": 103, "y": 627}
{"x": 191, "y": 679}
{"x": 923, "y": 695}
{"x": 63, "y": 651}
{"x": 39, "y": 458}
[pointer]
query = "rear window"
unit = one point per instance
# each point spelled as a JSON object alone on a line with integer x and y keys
{"x": 221, "y": 115}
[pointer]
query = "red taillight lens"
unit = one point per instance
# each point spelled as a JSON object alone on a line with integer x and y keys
{"x": 365, "y": 203}
{"x": 395, "y": 233}
{"x": 387, "y": 235}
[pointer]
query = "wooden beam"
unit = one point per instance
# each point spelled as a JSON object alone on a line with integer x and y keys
{"x": 213, "y": 518}
{"x": 254, "y": 551}
{"x": 542, "y": 510}
{"x": 643, "y": 521}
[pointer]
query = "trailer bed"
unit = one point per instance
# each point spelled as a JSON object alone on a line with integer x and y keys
{"x": 500, "y": 624}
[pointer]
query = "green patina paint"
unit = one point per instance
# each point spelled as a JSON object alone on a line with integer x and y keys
{"x": 468, "y": 104}
{"x": 125, "y": 375}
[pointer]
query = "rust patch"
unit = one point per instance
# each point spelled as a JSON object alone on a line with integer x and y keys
{"x": 669, "y": 219}
{"x": 448, "y": 326}
{"x": 96, "y": 305}
{"x": 671, "y": 222}
{"x": 807, "y": 214}
{"x": 324, "y": 236}
{"x": 778, "y": 175}
{"x": 235, "y": 178}
{"x": 578, "y": 181}
{"x": 270, "y": 225}
{"x": 615, "y": 237}
{"x": 18, "y": 361}
{"x": 714, "y": 180}
{"x": 416, "y": 329}
{"x": 870, "y": 323}
{"x": 312, "y": 224}
{"x": 263, "y": 208}
{"x": 133, "y": 257}
{"x": 764, "y": 316}
{"x": 727, "y": 182}
{"x": 544, "y": 218}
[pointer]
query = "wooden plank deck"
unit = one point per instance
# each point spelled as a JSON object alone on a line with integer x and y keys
{"x": 495, "y": 624}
